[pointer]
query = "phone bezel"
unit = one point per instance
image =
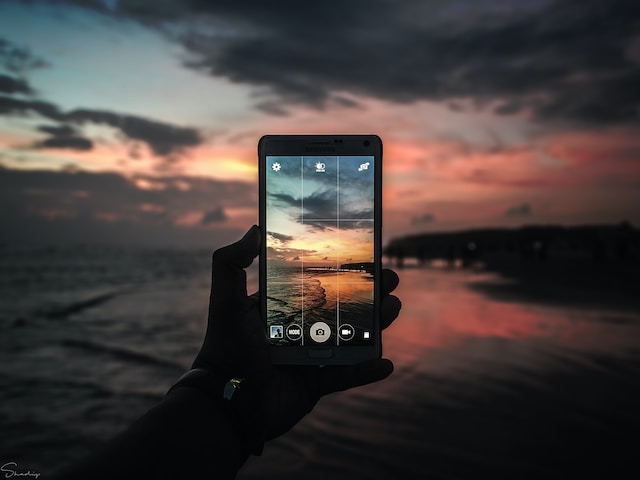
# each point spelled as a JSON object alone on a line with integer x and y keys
{"x": 309, "y": 145}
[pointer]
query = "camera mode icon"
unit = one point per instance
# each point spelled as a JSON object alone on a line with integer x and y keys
{"x": 294, "y": 332}
{"x": 320, "y": 332}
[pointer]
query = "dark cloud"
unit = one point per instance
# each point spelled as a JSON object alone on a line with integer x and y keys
{"x": 281, "y": 236}
{"x": 320, "y": 206}
{"x": 63, "y": 136}
{"x": 75, "y": 205}
{"x": 9, "y": 105}
{"x": 521, "y": 210}
{"x": 560, "y": 59}
{"x": 164, "y": 139}
{"x": 285, "y": 199}
{"x": 422, "y": 219}
{"x": 214, "y": 216}
{"x": 9, "y": 84}
{"x": 72, "y": 143}
{"x": 18, "y": 59}
{"x": 58, "y": 130}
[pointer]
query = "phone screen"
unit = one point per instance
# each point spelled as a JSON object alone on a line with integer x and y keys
{"x": 320, "y": 252}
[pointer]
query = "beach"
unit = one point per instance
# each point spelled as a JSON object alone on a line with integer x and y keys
{"x": 303, "y": 298}
{"x": 485, "y": 385}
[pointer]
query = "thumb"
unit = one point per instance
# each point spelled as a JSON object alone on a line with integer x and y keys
{"x": 229, "y": 281}
{"x": 335, "y": 379}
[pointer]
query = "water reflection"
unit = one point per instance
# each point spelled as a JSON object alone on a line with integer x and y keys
{"x": 440, "y": 311}
{"x": 482, "y": 388}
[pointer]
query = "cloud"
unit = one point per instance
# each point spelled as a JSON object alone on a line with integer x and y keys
{"x": 288, "y": 254}
{"x": 422, "y": 219}
{"x": 18, "y": 59}
{"x": 562, "y": 59}
{"x": 521, "y": 210}
{"x": 214, "y": 216}
{"x": 9, "y": 84}
{"x": 163, "y": 138}
{"x": 72, "y": 143}
{"x": 320, "y": 206}
{"x": 280, "y": 236}
{"x": 63, "y": 137}
{"x": 17, "y": 106}
{"x": 74, "y": 205}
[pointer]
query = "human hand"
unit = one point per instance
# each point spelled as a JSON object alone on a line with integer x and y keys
{"x": 235, "y": 345}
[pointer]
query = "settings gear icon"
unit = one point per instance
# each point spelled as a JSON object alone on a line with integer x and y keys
{"x": 276, "y": 167}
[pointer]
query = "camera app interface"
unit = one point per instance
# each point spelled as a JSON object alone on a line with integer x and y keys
{"x": 320, "y": 250}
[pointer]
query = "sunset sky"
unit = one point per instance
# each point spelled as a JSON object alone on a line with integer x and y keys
{"x": 132, "y": 121}
{"x": 320, "y": 217}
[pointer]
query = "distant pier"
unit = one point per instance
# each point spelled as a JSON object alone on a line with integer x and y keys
{"x": 362, "y": 267}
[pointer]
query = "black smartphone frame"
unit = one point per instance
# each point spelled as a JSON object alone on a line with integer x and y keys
{"x": 323, "y": 145}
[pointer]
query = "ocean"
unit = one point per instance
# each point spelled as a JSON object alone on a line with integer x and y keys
{"x": 484, "y": 386}
{"x": 303, "y": 296}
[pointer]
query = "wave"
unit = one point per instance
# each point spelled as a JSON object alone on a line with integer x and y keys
{"x": 75, "y": 307}
{"x": 287, "y": 302}
{"x": 121, "y": 353}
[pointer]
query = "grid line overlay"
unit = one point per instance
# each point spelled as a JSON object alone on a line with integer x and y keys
{"x": 338, "y": 223}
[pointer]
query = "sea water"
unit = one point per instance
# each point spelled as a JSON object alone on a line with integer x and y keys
{"x": 90, "y": 338}
{"x": 303, "y": 296}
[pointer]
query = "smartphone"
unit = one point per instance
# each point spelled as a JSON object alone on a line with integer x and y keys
{"x": 320, "y": 259}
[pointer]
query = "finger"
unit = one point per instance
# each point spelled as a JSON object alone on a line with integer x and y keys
{"x": 335, "y": 379}
{"x": 228, "y": 278}
{"x": 389, "y": 310}
{"x": 390, "y": 281}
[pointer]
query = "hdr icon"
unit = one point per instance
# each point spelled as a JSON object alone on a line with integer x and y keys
{"x": 294, "y": 332}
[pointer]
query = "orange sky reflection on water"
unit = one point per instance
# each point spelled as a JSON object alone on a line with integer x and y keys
{"x": 439, "y": 312}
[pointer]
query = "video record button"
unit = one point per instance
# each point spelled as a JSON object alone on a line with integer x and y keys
{"x": 346, "y": 332}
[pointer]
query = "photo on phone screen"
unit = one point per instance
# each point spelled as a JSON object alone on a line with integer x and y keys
{"x": 320, "y": 252}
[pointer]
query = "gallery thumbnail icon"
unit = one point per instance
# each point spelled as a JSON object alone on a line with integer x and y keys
{"x": 275, "y": 331}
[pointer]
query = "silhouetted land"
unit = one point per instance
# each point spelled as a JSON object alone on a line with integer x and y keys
{"x": 584, "y": 265}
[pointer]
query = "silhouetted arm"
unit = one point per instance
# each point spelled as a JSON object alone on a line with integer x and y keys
{"x": 194, "y": 432}
{"x": 187, "y": 435}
